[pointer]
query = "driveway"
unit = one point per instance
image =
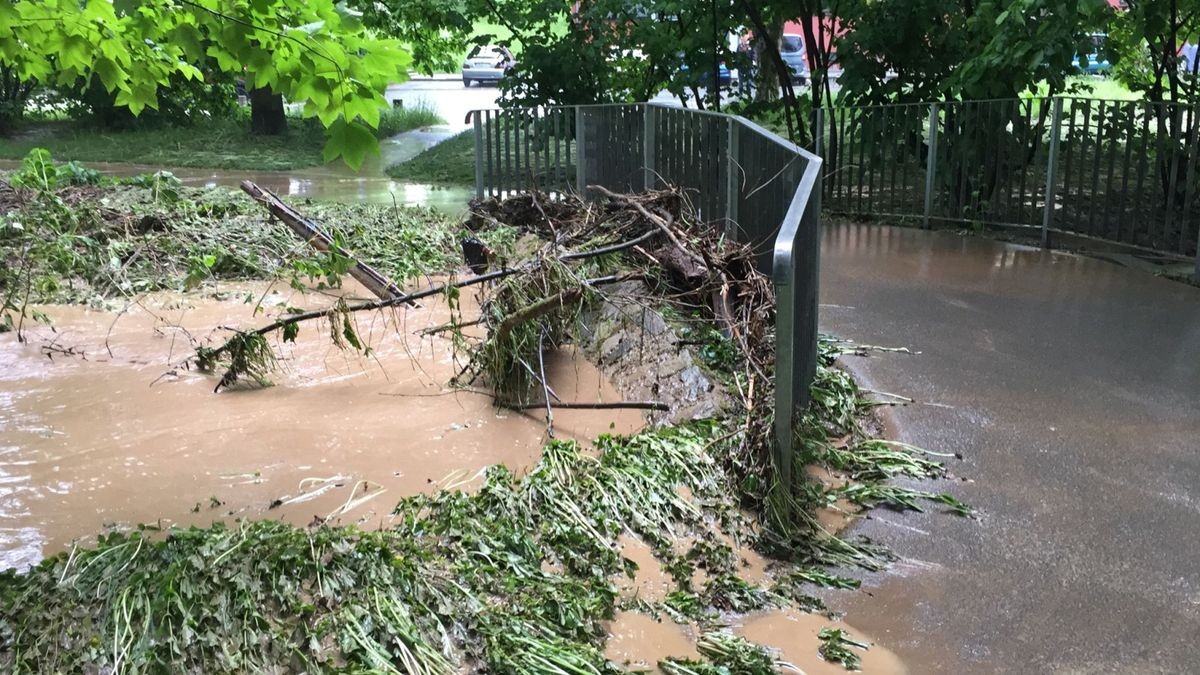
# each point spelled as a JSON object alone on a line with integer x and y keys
{"x": 447, "y": 95}
{"x": 1072, "y": 388}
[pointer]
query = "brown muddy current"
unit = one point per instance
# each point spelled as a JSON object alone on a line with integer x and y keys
{"x": 116, "y": 434}
{"x": 107, "y": 440}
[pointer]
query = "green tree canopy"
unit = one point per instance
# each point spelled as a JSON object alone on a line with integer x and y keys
{"x": 927, "y": 50}
{"x": 313, "y": 52}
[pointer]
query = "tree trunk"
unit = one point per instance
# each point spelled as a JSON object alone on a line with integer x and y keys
{"x": 766, "y": 77}
{"x": 266, "y": 113}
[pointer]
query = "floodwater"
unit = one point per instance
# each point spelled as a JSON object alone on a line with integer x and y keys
{"x": 333, "y": 182}
{"x": 1071, "y": 387}
{"x": 640, "y": 641}
{"x": 99, "y": 440}
{"x": 793, "y": 634}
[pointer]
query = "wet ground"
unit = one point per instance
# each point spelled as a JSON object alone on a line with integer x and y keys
{"x": 1072, "y": 388}
{"x": 641, "y": 641}
{"x": 98, "y": 440}
{"x": 115, "y": 433}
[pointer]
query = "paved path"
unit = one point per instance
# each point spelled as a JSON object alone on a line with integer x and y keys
{"x": 1072, "y": 388}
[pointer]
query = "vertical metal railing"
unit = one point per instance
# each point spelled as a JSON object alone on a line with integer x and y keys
{"x": 758, "y": 187}
{"x": 1125, "y": 172}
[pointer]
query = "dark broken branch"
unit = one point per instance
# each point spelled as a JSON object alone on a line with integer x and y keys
{"x": 663, "y": 224}
{"x": 614, "y": 405}
{"x": 537, "y": 309}
{"x": 379, "y": 285}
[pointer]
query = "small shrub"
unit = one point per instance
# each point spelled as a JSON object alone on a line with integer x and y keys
{"x": 398, "y": 120}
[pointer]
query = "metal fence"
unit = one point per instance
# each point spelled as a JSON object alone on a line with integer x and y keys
{"x": 1123, "y": 172}
{"x": 759, "y": 187}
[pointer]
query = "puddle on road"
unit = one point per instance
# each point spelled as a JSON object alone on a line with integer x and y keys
{"x": 88, "y": 443}
{"x": 793, "y": 634}
{"x": 638, "y": 641}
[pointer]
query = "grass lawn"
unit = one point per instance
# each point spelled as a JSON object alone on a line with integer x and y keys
{"x": 217, "y": 145}
{"x": 222, "y": 144}
{"x": 451, "y": 162}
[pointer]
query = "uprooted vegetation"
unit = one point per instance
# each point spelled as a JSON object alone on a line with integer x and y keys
{"x": 518, "y": 576}
{"x": 67, "y": 235}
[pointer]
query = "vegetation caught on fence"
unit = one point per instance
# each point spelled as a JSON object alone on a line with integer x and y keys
{"x": 519, "y": 575}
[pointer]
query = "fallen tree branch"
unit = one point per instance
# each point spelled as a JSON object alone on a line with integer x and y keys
{"x": 537, "y": 309}
{"x": 379, "y": 285}
{"x": 615, "y": 405}
{"x": 300, "y": 317}
{"x": 545, "y": 384}
{"x": 663, "y": 225}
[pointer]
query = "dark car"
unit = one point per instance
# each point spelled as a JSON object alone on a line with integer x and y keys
{"x": 791, "y": 49}
{"x": 1094, "y": 62}
{"x": 704, "y": 79}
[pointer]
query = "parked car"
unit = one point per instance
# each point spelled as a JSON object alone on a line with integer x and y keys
{"x": 791, "y": 48}
{"x": 1094, "y": 62}
{"x": 487, "y": 63}
{"x": 705, "y": 78}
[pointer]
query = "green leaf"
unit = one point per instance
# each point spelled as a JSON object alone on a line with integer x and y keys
{"x": 351, "y": 142}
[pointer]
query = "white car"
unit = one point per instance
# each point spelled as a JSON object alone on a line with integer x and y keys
{"x": 487, "y": 64}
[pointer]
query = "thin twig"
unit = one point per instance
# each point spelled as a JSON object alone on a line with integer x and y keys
{"x": 545, "y": 386}
{"x": 600, "y": 405}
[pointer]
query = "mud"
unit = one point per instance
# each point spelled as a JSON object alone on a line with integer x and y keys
{"x": 793, "y": 634}
{"x": 639, "y": 641}
{"x": 651, "y": 582}
{"x": 841, "y": 514}
{"x": 103, "y": 440}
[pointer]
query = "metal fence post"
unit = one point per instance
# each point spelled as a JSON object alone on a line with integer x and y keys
{"x": 1052, "y": 172}
{"x": 1196, "y": 274}
{"x": 733, "y": 173}
{"x": 580, "y": 153}
{"x": 931, "y": 163}
{"x": 649, "y": 141}
{"x": 478, "y": 154}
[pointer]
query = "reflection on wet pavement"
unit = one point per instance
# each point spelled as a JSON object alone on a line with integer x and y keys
{"x": 1072, "y": 388}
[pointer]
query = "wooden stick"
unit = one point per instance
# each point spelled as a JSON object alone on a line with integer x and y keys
{"x": 615, "y": 405}
{"x": 379, "y": 285}
{"x": 663, "y": 225}
{"x": 545, "y": 384}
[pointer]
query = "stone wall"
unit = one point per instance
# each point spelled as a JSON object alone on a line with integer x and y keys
{"x": 640, "y": 352}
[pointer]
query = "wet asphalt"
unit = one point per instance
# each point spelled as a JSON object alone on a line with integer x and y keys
{"x": 1071, "y": 387}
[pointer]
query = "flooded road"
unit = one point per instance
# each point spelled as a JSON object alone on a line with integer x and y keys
{"x": 1071, "y": 387}
{"x": 102, "y": 440}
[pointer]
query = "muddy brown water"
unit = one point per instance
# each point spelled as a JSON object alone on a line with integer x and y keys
{"x": 98, "y": 441}
{"x": 638, "y": 641}
{"x": 117, "y": 435}
{"x": 333, "y": 182}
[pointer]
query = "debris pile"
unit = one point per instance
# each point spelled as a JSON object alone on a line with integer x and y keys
{"x": 537, "y": 263}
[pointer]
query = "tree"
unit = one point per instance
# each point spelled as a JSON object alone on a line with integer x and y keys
{"x": 312, "y": 52}
{"x": 929, "y": 50}
{"x": 434, "y": 30}
{"x": 1145, "y": 42}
